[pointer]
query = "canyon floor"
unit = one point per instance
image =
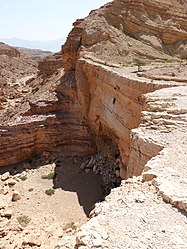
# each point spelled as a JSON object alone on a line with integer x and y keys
{"x": 131, "y": 216}
{"x": 45, "y": 216}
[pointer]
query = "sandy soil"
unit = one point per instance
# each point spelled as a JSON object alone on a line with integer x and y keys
{"x": 75, "y": 193}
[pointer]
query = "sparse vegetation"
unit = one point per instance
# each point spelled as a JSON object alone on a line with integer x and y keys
{"x": 30, "y": 189}
{"x": 140, "y": 62}
{"x": 50, "y": 191}
{"x": 168, "y": 60}
{"x": 128, "y": 64}
{"x": 71, "y": 225}
{"x": 137, "y": 62}
{"x": 23, "y": 220}
{"x": 49, "y": 176}
{"x": 23, "y": 178}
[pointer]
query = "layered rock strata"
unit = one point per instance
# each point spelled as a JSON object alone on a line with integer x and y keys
{"x": 123, "y": 30}
{"x": 85, "y": 93}
{"x": 53, "y": 125}
{"x": 156, "y": 23}
{"x": 112, "y": 99}
{"x": 50, "y": 64}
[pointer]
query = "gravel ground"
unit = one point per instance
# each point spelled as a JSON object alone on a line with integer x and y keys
{"x": 134, "y": 217}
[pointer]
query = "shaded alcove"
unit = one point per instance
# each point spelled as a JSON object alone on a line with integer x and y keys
{"x": 87, "y": 186}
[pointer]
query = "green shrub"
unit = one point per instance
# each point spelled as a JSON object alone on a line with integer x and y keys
{"x": 23, "y": 220}
{"x": 30, "y": 189}
{"x": 166, "y": 60}
{"x": 23, "y": 178}
{"x": 71, "y": 225}
{"x": 50, "y": 191}
{"x": 128, "y": 64}
{"x": 49, "y": 176}
{"x": 140, "y": 62}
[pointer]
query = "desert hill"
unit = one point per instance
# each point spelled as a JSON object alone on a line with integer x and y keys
{"x": 35, "y": 54}
{"x": 115, "y": 36}
{"x": 123, "y": 30}
{"x": 14, "y": 64}
{"x": 15, "y": 69}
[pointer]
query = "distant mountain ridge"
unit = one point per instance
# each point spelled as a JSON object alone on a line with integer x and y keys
{"x": 35, "y": 54}
{"x": 52, "y": 45}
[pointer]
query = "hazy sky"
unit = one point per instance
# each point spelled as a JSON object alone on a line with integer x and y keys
{"x": 42, "y": 19}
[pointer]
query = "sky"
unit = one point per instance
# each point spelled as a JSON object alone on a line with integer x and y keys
{"x": 42, "y": 19}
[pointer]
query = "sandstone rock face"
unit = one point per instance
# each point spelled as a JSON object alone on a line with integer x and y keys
{"x": 51, "y": 125}
{"x": 84, "y": 93}
{"x": 85, "y": 101}
{"x": 113, "y": 98}
{"x": 123, "y": 30}
{"x": 145, "y": 19}
{"x": 50, "y": 64}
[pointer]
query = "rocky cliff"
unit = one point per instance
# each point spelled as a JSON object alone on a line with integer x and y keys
{"x": 91, "y": 91}
{"x": 45, "y": 121}
{"x": 123, "y": 30}
{"x": 114, "y": 101}
{"x": 112, "y": 37}
{"x": 9, "y": 51}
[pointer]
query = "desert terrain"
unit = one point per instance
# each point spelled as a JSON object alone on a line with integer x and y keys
{"x": 93, "y": 139}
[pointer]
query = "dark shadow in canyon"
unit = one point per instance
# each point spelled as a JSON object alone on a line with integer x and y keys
{"x": 33, "y": 162}
{"x": 69, "y": 177}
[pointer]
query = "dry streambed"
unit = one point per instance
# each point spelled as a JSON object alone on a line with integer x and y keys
{"x": 41, "y": 205}
{"x": 45, "y": 207}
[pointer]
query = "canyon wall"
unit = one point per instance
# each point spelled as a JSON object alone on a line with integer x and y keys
{"x": 112, "y": 100}
{"x": 123, "y": 30}
{"x": 46, "y": 121}
{"x": 155, "y": 23}
{"x": 86, "y": 92}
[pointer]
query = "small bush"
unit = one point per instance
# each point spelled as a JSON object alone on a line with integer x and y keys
{"x": 71, "y": 225}
{"x": 23, "y": 220}
{"x": 128, "y": 64}
{"x": 49, "y": 176}
{"x": 23, "y": 178}
{"x": 140, "y": 62}
{"x": 167, "y": 60}
{"x": 50, "y": 191}
{"x": 30, "y": 189}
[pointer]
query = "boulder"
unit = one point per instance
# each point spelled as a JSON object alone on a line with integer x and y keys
{"x": 16, "y": 196}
